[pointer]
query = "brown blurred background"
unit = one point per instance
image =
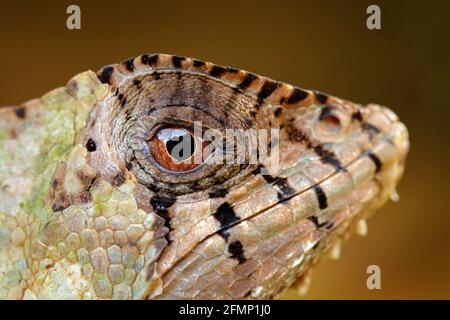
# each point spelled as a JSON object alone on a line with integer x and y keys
{"x": 322, "y": 45}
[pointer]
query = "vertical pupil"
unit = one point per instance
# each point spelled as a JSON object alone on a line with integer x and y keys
{"x": 180, "y": 144}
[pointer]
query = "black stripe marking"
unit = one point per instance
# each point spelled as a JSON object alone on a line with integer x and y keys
{"x": 177, "y": 60}
{"x": 232, "y": 70}
{"x": 144, "y": 59}
{"x": 315, "y": 220}
{"x": 105, "y": 74}
{"x": 226, "y": 216}
{"x": 136, "y": 82}
{"x": 267, "y": 89}
{"x": 160, "y": 205}
{"x": 321, "y": 97}
{"x": 321, "y": 197}
{"x": 325, "y": 112}
{"x": 378, "y": 164}
{"x": 220, "y": 193}
{"x": 297, "y": 95}
{"x": 285, "y": 189}
{"x": 328, "y": 157}
{"x": 150, "y": 59}
{"x": 248, "y": 79}
{"x": 197, "y": 63}
{"x": 217, "y": 71}
{"x": 281, "y": 183}
{"x": 278, "y": 111}
{"x": 357, "y": 116}
{"x": 129, "y": 64}
{"x": 153, "y": 59}
{"x": 20, "y": 112}
{"x": 370, "y": 129}
{"x": 329, "y": 225}
{"x": 237, "y": 251}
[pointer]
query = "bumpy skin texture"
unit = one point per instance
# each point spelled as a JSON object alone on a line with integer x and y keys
{"x": 86, "y": 213}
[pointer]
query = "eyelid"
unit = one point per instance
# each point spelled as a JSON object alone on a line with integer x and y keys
{"x": 168, "y": 122}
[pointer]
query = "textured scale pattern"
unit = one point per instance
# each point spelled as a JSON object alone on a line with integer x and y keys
{"x": 86, "y": 214}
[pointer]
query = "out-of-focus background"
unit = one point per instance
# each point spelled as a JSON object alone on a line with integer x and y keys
{"x": 322, "y": 45}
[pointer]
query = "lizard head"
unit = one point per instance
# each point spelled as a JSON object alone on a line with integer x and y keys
{"x": 241, "y": 228}
{"x": 153, "y": 201}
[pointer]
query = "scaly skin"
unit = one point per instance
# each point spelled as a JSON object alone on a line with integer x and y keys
{"x": 86, "y": 214}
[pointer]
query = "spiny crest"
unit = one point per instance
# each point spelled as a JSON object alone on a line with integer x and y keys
{"x": 262, "y": 89}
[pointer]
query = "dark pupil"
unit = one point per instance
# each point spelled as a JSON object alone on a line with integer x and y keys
{"x": 181, "y": 146}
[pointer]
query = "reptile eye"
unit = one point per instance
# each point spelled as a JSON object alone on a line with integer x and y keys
{"x": 177, "y": 149}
